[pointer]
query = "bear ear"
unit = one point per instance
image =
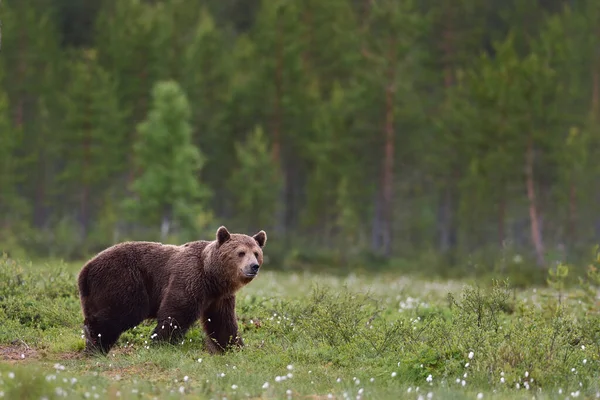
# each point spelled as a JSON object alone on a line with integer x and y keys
{"x": 261, "y": 238}
{"x": 222, "y": 235}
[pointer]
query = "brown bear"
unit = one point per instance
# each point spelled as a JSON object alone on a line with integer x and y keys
{"x": 177, "y": 285}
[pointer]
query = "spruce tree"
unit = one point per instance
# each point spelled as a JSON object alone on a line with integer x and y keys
{"x": 167, "y": 188}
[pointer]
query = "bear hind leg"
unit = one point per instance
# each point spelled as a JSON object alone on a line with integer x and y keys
{"x": 103, "y": 328}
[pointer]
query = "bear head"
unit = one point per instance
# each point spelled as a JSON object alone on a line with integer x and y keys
{"x": 241, "y": 255}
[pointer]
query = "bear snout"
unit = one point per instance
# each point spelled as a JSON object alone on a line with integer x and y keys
{"x": 252, "y": 269}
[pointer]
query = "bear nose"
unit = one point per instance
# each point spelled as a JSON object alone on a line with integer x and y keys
{"x": 254, "y": 268}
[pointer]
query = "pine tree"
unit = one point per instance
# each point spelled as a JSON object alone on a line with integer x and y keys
{"x": 123, "y": 34}
{"x": 207, "y": 69}
{"x": 255, "y": 182}
{"x": 94, "y": 146}
{"x": 389, "y": 47}
{"x": 167, "y": 189}
{"x": 13, "y": 208}
{"x": 31, "y": 60}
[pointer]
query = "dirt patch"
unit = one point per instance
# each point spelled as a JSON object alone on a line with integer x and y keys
{"x": 17, "y": 351}
{"x": 144, "y": 369}
{"x": 71, "y": 355}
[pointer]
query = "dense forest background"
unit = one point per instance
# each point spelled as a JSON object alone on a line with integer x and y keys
{"x": 438, "y": 132}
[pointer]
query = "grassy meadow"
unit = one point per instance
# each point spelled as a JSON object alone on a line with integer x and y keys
{"x": 313, "y": 335}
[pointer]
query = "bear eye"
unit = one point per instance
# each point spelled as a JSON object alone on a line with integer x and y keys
{"x": 256, "y": 254}
{"x": 242, "y": 253}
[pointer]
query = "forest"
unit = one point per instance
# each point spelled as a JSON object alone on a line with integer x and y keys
{"x": 455, "y": 134}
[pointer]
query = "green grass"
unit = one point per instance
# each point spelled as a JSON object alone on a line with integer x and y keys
{"x": 311, "y": 335}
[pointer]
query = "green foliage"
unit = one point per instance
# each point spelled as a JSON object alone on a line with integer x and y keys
{"x": 481, "y": 309}
{"x": 168, "y": 185}
{"x": 493, "y": 338}
{"x": 255, "y": 182}
{"x": 12, "y": 206}
{"x": 557, "y": 277}
{"x": 91, "y": 110}
{"x": 436, "y": 105}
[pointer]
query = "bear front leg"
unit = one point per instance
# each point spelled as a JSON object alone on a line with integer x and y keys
{"x": 173, "y": 323}
{"x": 220, "y": 325}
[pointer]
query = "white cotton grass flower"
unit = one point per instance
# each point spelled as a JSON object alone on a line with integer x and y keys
{"x": 11, "y": 375}
{"x": 234, "y": 387}
{"x": 429, "y": 378}
{"x": 290, "y": 367}
{"x": 265, "y": 385}
{"x": 185, "y": 378}
{"x": 471, "y": 354}
{"x": 394, "y": 374}
{"x": 479, "y": 396}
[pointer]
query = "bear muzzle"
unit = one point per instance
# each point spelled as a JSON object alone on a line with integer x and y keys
{"x": 252, "y": 270}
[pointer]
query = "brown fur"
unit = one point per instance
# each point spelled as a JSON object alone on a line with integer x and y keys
{"x": 133, "y": 281}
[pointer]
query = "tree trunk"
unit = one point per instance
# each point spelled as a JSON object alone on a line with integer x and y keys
{"x": 39, "y": 208}
{"x": 165, "y": 224}
{"x": 501, "y": 220}
{"x": 277, "y": 111}
{"x": 445, "y": 222}
{"x": 376, "y": 242}
{"x": 571, "y": 223}
{"x": 85, "y": 189}
{"x": 164, "y": 228}
{"x": 536, "y": 235}
{"x": 447, "y": 230}
{"x": 276, "y": 123}
{"x": 595, "y": 93}
{"x": 39, "y": 203}
{"x": 138, "y": 115}
{"x": 307, "y": 19}
{"x": 388, "y": 157}
{"x": 21, "y": 72}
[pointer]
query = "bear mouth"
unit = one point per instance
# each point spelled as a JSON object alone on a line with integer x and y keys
{"x": 251, "y": 274}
